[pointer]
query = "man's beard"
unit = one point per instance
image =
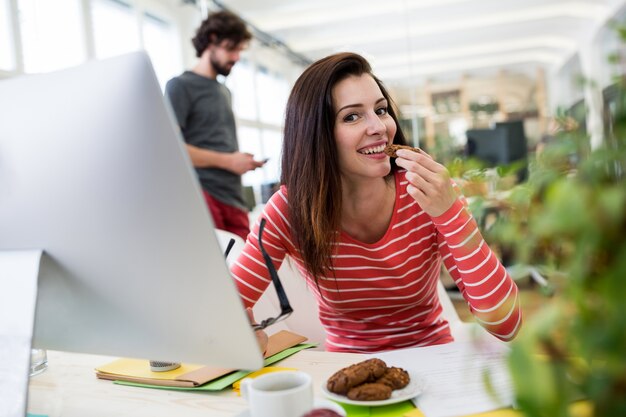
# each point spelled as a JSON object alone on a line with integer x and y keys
{"x": 222, "y": 69}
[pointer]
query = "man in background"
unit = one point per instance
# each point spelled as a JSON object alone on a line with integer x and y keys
{"x": 204, "y": 112}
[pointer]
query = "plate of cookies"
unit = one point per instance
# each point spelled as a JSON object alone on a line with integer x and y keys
{"x": 372, "y": 383}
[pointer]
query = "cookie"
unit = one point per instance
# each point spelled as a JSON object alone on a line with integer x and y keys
{"x": 391, "y": 149}
{"x": 395, "y": 378}
{"x": 367, "y": 371}
{"x": 370, "y": 392}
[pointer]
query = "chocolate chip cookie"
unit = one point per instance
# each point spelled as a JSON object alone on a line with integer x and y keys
{"x": 391, "y": 149}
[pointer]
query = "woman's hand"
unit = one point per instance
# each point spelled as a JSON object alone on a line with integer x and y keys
{"x": 261, "y": 336}
{"x": 429, "y": 182}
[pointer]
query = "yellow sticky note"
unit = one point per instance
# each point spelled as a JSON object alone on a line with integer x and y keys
{"x": 266, "y": 370}
{"x": 141, "y": 368}
{"x": 414, "y": 413}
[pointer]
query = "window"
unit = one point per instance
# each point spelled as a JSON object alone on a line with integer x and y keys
{"x": 115, "y": 28}
{"x": 250, "y": 141}
{"x": 241, "y": 84}
{"x": 52, "y": 35}
{"x": 159, "y": 40}
{"x": 7, "y": 61}
{"x": 259, "y": 101}
{"x": 272, "y": 143}
{"x": 272, "y": 93}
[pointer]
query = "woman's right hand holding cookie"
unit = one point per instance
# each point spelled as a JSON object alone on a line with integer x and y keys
{"x": 429, "y": 182}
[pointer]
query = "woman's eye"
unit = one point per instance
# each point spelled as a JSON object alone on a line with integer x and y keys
{"x": 350, "y": 118}
{"x": 381, "y": 111}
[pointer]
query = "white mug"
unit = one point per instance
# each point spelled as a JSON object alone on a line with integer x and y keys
{"x": 279, "y": 394}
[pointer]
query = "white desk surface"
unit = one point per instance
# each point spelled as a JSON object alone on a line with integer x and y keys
{"x": 69, "y": 388}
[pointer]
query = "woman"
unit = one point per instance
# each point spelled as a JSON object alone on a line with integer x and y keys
{"x": 370, "y": 233}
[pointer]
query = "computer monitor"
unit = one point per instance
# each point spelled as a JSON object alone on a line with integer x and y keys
{"x": 487, "y": 145}
{"x": 93, "y": 171}
{"x": 502, "y": 145}
{"x": 517, "y": 147}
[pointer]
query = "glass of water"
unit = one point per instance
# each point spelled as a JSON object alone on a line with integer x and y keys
{"x": 38, "y": 361}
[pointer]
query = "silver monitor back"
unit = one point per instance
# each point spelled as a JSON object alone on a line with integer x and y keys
{"x": 94, "y": 172}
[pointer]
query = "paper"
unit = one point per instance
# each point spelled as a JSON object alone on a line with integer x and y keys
{"x": 416, "y": 412}
{"x": 577, "y": 409}
{"x": 227, "y": 380}
{"x": 391, "y": 410}
{"x": 139, "y": 368}
{"x": 356, "y": 410}
{"x": 454, "y": 377}
{"x": 187, "y": 375}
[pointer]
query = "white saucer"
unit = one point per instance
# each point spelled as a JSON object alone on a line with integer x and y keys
{"x": 317, "y": 403}
{"x": 414, "y": 389}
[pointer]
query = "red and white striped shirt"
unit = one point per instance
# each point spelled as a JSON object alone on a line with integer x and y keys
{"x": 383, "y": 295}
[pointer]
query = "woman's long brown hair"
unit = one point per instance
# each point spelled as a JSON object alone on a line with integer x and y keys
{"x": 310, "y": 167}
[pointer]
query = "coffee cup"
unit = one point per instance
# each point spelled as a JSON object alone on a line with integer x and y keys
{"x": 279, "y": 394}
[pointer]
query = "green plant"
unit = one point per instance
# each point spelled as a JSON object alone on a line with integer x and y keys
{"x": 459, "y": 167}
{"x": 571, "y": 215}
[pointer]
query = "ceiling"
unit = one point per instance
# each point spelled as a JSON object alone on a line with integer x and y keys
{"x": 408, "y": 41}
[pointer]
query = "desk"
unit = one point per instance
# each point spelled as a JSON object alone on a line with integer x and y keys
{"x": 69, "y": 388}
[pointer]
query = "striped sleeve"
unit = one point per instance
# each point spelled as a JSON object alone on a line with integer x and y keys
{"x": 490, "y": 292}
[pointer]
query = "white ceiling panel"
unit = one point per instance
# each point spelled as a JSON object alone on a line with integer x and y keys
{"x": 412, "y": 39}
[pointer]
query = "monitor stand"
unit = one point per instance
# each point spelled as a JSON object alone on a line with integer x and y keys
{"x": 19, "y": 272}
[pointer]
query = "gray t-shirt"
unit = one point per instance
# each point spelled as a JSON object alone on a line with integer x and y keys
{"x": 203, "y": 108}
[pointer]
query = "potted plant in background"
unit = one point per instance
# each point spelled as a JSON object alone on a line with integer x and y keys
{"x": 574, "y": 221}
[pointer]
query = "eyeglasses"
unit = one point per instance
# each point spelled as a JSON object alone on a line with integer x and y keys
{"x": 285, "y": 308}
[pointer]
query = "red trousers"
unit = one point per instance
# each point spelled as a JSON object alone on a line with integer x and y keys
{"x": 229, "y": 218}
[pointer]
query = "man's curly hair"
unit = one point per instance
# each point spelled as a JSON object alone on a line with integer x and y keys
{"x": 218, "y": 27}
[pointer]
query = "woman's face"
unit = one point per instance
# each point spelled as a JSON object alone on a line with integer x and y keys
{"x": 363, "y": 128}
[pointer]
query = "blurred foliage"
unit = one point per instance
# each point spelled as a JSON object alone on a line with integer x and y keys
{"x": 571, "y": 217}
{"x": 466, "y": 167}
{"x": 488, "y": 108}
{"x": 445, "y": 150}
